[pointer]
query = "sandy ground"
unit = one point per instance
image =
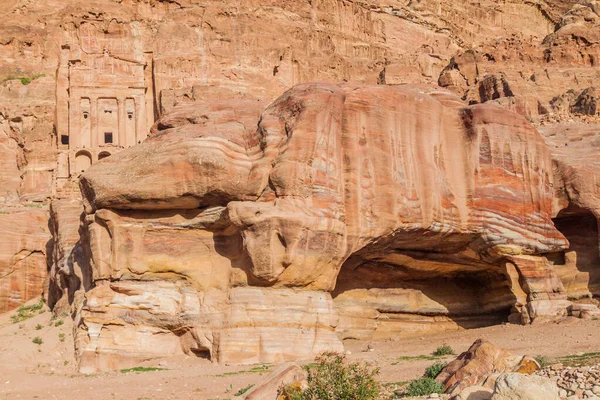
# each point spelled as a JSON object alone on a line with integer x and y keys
{"x": 48, "y": 370}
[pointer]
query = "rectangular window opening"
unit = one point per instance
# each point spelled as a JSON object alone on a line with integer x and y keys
{"x": 64, "y": 139}
{"x": 108, "y": 137}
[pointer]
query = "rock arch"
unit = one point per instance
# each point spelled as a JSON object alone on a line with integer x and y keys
{"x": 83, "y": 160}
{"x": 103, "y": 154}
{"x": 579, "y": 266}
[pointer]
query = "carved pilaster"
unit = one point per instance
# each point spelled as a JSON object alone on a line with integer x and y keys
{"x": 121, "y": 138}
{"x": 94, "y": 112}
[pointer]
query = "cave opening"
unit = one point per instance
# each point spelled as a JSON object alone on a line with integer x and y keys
{"x": 201, "y": 352}
{"x": 579, "y": 266}
{"x": 419, "y": 293}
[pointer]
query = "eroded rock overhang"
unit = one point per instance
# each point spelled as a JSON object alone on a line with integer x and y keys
{"x": 226, "y": 233}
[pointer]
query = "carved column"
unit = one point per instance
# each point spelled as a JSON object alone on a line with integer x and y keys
{"x": 121, "y": 138}
{"x": 74, "y": 123}
{"x": 94, "y": 130}
{"x": 62, "y": 95}
{"x": 140, "y": 120}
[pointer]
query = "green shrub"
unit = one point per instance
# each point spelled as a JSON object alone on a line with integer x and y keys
{"x": 423, "y": 387}
{"x": 59, "y": 322}
{"x": 37, "y": 340}
{"x": 244, "y": 390}
{"x": 331, "y": 377}
{"x": 443, "y": 350}
{"x": 26, "y": 312}
{"x": 38, "y": 327}
{"x": 25, "y": 80}
{"x": 434, "y": 370}
{"x": 61, "y": 337}
{"x": 542, "y": 360}
{"x": 291, "y": 392}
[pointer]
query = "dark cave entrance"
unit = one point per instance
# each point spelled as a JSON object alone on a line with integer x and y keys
{"x": 579, "y": 266}
{"x": 429, "y": 293}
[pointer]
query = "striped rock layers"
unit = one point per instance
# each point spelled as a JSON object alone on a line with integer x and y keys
{"x": 339, "y": 211}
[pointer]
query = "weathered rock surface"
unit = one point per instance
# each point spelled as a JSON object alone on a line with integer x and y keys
{"x": 477, "y": 366}
{"x": 70, "y": 273}
{"x": 325, "y": 185}
{"x": 268, "y": 389}
{"x": 575, "y": 148}
{"x": 416, "y": 212}
{"x": 22, "y": 261}
{"x": 514, "y": 386}
{"x": 475, "y": 393}
{"x": 27, "y": 158}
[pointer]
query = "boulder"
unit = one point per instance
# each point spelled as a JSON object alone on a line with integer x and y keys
{"x": 477, "y": 366}
{"x": 548, "y": 308}
{"x": 584, "y": 311}
{"x": 285, "y": 374}
{"x": 515, "y": 386}
{"x": 475, "y": 393}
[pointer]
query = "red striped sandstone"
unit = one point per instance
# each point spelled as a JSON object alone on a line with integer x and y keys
{"x": 392, "y": 188}
{"x": 22, "y": 262}
{"x": 419, "y": 225}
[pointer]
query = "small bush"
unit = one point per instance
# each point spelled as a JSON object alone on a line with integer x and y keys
{"x": 434, "y": 370}
{"x": 291, "y": 392}
{"x": 542, "y": 360}
{"x": 443, "y": 350}
{"x": 61, "y": 337}
{"x": 244, "y": 390}
{"x": 423, "y": 387}
{"x": 26, "y": 312}
{"x": 37, "y": 340}
{"x": 25, "y": 80}
{"x": 59, "y": 322}
{"x": 331, "y": 377}
{"x": 38, "y": 327}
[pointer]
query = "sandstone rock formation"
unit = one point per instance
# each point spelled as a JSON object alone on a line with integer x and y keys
{"x": 518, "y": 386}
{"x": 475, "y": 393}
{"x": 269, "y": 388}
{"x": 367, "y": 210}
{"x": 480, "y": 365}
{"x": 27, "y": 158}
{"x": 394, "y": 189}
{"x": 23, "y": 261}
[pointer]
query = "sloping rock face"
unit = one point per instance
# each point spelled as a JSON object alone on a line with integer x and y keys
{"x": 27, "y": 158}
{"x": 403, "y": 196}
{"x": 548, "y": 78}
{"x": 22, "y": 262}
{"x": 575, "y": 148}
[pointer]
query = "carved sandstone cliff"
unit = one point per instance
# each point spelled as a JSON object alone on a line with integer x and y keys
{"x": 79, "y": 81}
{"x": 224, "y": 233}
{"x": 244, "y": 234}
